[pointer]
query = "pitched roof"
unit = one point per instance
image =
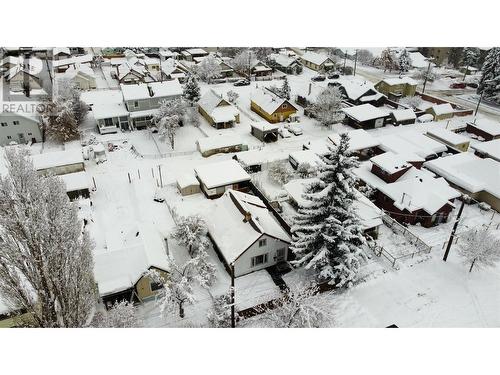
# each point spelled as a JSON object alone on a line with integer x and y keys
{"x": 210, "y": 100}
{"x": 238, "y": 220}
{"x": 399, "y": 81}
{"x": 267, "y": 100}
{"x": 365, "y": 112}
{"x": 315, "y": 58}
{"x": 442, "y": 109}
{"x": 404, "y": 114}
{"x": 283, "y": 60}
{"x": 390, "y": 162}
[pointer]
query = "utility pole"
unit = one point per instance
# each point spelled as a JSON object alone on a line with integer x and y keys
{"x": 159, "y": 170}
{"x": 345, "y": 58}
{"x": 233, "y": 319}
{"x": 478, "y": 104}
{"x": 452, "y": 234}
{"x": 465, "y": 74}
{"x": 355, "y": 62}
{"x": 426, "y": 76}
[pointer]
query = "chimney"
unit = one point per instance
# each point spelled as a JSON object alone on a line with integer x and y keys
{"x": 403, "y": 198}
{"x": 310, "y": 87}
{"x": 248, "y": 217}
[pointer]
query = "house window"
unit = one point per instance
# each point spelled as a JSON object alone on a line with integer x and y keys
{"x": 275, "y": 115}
{"x": 9, "y": 137}
{"x": 4, "y": 124}
{"x": 136, "y": 104}
{"x": 108, "y": 122}
{"x": 15, "y": 122}
{"x": 156, "y": 286}
{"x": 283, "y": 106}
{"x": 262, "y": 242}
{"x": 30, "y": 134}
{"x": 259, "y": 259}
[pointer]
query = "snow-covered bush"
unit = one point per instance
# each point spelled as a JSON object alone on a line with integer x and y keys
{"x": 191, "y": 232}
{"x": 411, "y": 101}
{"x": 280, "y": 172}
{"x": 232, "y": 96}
{"x": 120, "y": 315}
{"x": 327, "y": 107}
{"x": 219, "y": 315}
{"x": 306, "y": 170}
{"x": 479, "y": 248}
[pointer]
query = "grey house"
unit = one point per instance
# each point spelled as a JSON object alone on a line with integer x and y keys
{"x": 19, "y": 128}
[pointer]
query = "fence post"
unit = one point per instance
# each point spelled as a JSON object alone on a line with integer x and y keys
{"x": 129, "y": 180}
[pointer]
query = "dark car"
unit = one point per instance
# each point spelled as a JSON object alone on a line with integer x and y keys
{"x": 458, "y": 85}
{"x": 318, "y": 78}
{"x": 242, "y": 82}
{"x": 334, "y": 76}
{"x": 473, "y": 85}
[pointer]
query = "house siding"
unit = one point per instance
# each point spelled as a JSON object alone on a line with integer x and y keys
{"x": 29, "y": 129}
{"x": 281, "y": 114}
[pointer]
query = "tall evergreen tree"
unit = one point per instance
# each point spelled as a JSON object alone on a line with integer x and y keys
{"x": 285, "y": 89}
{"x": 327, "y": 235}
{"x": 191, "y": 90}
{"x": 455, "y": 56}
{"x": 490, "y": 80}
{"x": 470, "y": 56}
{"x": 404, "y": 61}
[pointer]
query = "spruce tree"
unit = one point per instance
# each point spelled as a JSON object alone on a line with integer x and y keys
{"x": 490, "y": 80}
{"x": 191, "y": 90}
{"x": 285, "y": 90}
{"x": 404, "y": 61}
{"x": 327, "y": 235}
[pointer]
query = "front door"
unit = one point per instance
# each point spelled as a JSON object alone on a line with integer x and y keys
{"x": 22, "y": 140}
{"x": 280, "y": 255}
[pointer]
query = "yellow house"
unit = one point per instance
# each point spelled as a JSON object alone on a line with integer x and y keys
{"x": 441, "y": 111}
{"x": 217, "y": 111}
{"x": 121, "y": 272}
{"x": 270, "y": 106}
{"x": 317, "y": 61}
{"x": 449, "y": 138}
{"x": 396, "y": 88}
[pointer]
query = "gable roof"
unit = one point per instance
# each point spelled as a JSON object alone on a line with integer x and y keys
{"x": 365, "y": 112}
{"x": 268, "y": 101}
{"x": 399, "y": 81}
{"x": 404, "y": 114}
{"x": 442, "y": 109}
{"x": 283, "y": 60}
{"x": 210, "y": 100}
{"x": 238, "y": 220}
{"x": 390, "y": 162}
{"x": 315, "y": 58}
{"x": 221, "y": 173}
{"x": 355, "y": 87}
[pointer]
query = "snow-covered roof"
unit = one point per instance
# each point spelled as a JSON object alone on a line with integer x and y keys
{"x": 282, "y": 60}
{"x": 165, "y": 52}
{"x": 118, "y": 269}
{"x": 196, "y": 51}
{"x": 264, "y": 126}
{"x": 316, "y": 58}
{"x": 238, "y": 220}
{"x": 166, "y": 88}
{"x": 420, "y": 140}
{"x": 404, "y": 114}
{"x": 73, "y": 60}
{"x": 258, "y": 157}
{"x": 447, "y": 136}
{"x": 356, "y": 87}
{"x": 187, "y": 179}
{"x": 390, "y": 162}
{"x": 418, "y": 60}
{"x": 306, "y": 157}
{"x": 411, "y": 142}
{"x": 57, "y": 158}
{"x": 224, "y": 113}
{"x": 79, "y": 69}
{"x": 135, "y": 91}
{"x": 365, "y": 112}
{"x": 76, "y": 181}
{"x": 210, "y": 101}
{"x": 221, "y": 173}
{"x": 109, "y": 110}
{"x": 369, "y": 214}
{"x": 400, "y": 81}
{"x": 490, "y": 149}
{"x": 442, "y": 109}
{"x": 218, "y": 141}
{"x": 359, "y": 139}
{"x": 469, "y": 172}
{"x": 489, "y": 126}
{"x": 318, "y": 146}
{"x": 421, "y": 191}
{"x": 61, "y": 50}
{"x": 267, "y": 100}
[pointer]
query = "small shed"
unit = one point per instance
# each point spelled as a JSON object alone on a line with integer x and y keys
{"x": 77, "y": 185}
{"x": 264, "y": 131}
{"x": 451, "y": 139}
{"x": 297, "y": 158}
{"x": 441, "y": 111}
{"x": 220, "y": 144}
{"x": 365, "y": 116}
{"x": 188, "y": 184}
{"x": 216, "y": 178}
{"x": 403, "y": 117}
{"x": 59, "y": 162}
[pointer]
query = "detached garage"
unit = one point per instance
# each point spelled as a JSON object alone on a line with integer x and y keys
{"x": 365, "y": 116}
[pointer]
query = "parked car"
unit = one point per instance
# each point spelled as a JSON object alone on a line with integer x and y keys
{"x": 318, "y": 78}
{"x": 473, "y": 85}
{"x": 293, "y": 118}
{"x": 425, "y": 118}
{"x": 284, "y": 133}
{"x": 458, "y": 85}
{"x": 334, "y": 76}
{"x": 242, "y": 82}
{"x": 294, "y": 129}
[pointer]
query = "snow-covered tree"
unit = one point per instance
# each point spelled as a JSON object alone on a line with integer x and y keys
{"x": 422, "y": 74}
{"x": 404, "y": 61}
{"x": 470, "y": 56}
{"x": 193, "y": 117}
{"x": 59, "y": 121}
{"x": 388, "y": 60}
{"x": 219, "y": 316}
{"x": 285, "y": 90}
{"x": 326, "y": 234}
{"x": 242, "y": 61}
{"x": 46, "y": 264}
{"x": 306, "y": 170}
{"x": 489, "y": 85}
{"x": 262, "y": 53}
{"x": 455, "y": 56}
{"x": 280, "y": 172}
{"x": 68, "y": 91}
{"x": 232, "y": 96}
{"x": 191, "y": 91}
{"x": 230, "y": 51}
{"x": 208, "y": 69}
{"x": 479, "y": 248}
{"x": 120, "y": 315}
{"x": 327, "y": 107}
{"x": 191, "y": 232}
{"x": 365, "y": 57}
{"x": 300, "y": 307}
{"x": 168, "y": 118}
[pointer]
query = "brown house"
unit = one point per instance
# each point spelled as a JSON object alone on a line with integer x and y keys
{"x": 270, "y": 106}
{"x": 217, "y": 111}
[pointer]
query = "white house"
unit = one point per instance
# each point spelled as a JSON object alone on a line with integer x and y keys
{"x": 19, "y": 128}
{"x": 245, "y": 233}
{"x": 81, "y": 75}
